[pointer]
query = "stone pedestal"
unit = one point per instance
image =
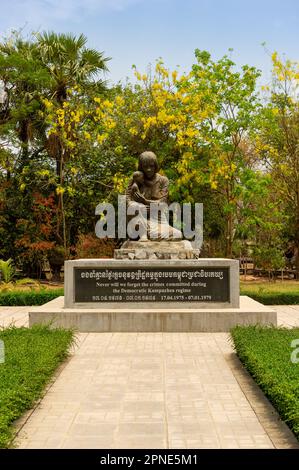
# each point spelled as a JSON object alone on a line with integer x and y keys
{"x": 138, "y": 318}
{"x": 152, "y": 295}
{"x": 150, "y": 249}
{"x": 200, "y": 283}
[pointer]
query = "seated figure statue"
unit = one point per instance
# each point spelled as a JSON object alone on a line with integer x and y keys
{"x": 147, "y": 188}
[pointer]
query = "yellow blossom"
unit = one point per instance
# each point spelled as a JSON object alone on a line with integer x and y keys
{"x": 110, "y": 124}
{"x": 71, "y": 191}
{"x": 101, "y": 138}
{"x": 48, "y": 104}
{"x": 119, "y": 101}
{"x": 107, "y": 104}
{"x": 60, "y": 190}
{"x": 174, "y": 75}
{"x": 70, "y": 144}
{"x": 133, "y": 131}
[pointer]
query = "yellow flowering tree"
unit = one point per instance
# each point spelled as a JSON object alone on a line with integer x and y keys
{"x": 71, "y": 141}
{"x": 156, "y": 113}
{"x": 196, "y": 123}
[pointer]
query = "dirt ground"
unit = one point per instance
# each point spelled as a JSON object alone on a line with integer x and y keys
{"x": 251, "y": 279}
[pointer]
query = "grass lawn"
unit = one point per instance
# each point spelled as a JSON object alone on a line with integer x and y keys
{"x": 266, "y": 353}
{"x": 31, "y": 357}
{"x": 272, "y": 293}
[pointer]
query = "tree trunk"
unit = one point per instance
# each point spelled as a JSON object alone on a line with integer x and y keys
{"x": 24, "y": 138}
{"x": 297, "y": 256}
{"x": 297, "y": 238}
{"x": 229, "y": 223}
{"x": 229, "y": 235}
{"x": 61, "y": 223}
{"x": 55, "y": 269}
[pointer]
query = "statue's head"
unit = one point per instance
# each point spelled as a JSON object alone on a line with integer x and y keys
{"x": 148, "y": 163}
{"x": 138, "y": 177}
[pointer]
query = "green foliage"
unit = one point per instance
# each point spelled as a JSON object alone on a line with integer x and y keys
{"x": 89, "y": 246}
{"x": 233, "y": 97}
{"x": 43, "y": 69}
{"x": 31, "y": 357}
{"x": 56, "y": 255}
{"x": 276, "y": 141}
{"x": 68, "y": 142}
{"x": 32, "y": 297}
{"x": 266, "y": 354}
{"x": 268, "y": 258}
{"x": 273, "y": 298}
{"x": 7, "y": 270}
{"x": 26, "y": 281}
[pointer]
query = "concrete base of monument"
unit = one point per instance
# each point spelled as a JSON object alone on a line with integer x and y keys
{"x": 163, "y": 249}
{"x": 143, "y": 318}
{"x": 152, "y": 283}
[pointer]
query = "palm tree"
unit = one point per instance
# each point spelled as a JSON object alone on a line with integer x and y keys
{"x": 23, "y": 79}
{"x": 68, "y": 63}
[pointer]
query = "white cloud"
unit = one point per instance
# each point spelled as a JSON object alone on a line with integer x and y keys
{"x": 71, "y": 7}
{"x": 42, "y": 14}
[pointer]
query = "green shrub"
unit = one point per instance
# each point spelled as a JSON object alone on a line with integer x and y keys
{"x": 29, "y": 297}
{"x": 273, "y": 298}
{"x": 7, "y": 270}
{"x": 27, "y": 281}
{"x": 266, "y": 354}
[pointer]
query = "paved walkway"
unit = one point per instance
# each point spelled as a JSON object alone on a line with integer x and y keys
{"x": 153, "y": 390}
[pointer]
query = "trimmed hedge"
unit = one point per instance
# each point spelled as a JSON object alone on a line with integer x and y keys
{"x": 266, "y": 353}
{"x": 29, "y": 297}
{"x": 273, "y": 298}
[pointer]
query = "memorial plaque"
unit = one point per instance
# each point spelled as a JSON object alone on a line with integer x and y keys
{"x": 187, "y": 284}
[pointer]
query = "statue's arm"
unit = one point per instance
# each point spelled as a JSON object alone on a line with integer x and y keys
{"x": 164, "y": 183}
{"x": 129, "y": 195}
{"x": 163, "y": 192}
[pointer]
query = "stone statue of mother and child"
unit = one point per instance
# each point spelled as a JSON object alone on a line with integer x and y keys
{"x": 146, "y": 189}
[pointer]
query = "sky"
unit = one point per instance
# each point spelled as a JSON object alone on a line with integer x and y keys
{"x": 141, "y": 31}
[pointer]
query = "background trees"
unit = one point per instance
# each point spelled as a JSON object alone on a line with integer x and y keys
{"x": 67, "y": 142}
{"x": 48, "y": 71}
{"x": 278, "y": 141}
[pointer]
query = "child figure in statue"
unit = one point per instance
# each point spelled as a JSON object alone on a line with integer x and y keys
{"x": 138, "y": 182}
